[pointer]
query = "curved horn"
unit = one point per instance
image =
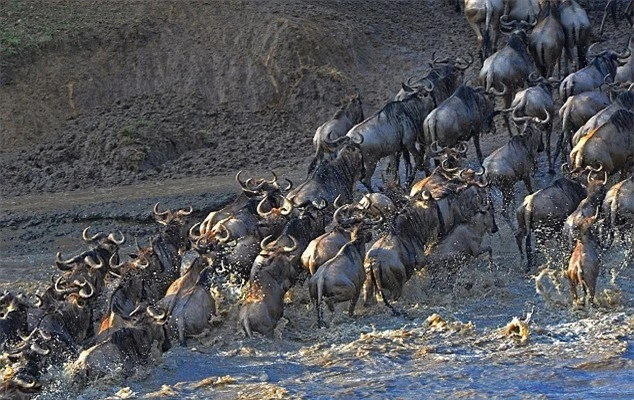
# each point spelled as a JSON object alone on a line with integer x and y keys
{"x": 192, "y": 236}
{"x": 97, "y": 236}
{"x": 184, "y": 212}
{"x": 428, "y": 85}
{"x": 544, "y": 121}
{"x": 60, "y": 290}
{"x": 39, "y": 301}
{"x": 226, "y": 237}
{"x": 143, "y": 262}
{"x": 274, "y": 180}
{"x": 338, "y": 219}
{"x": 426, "y": 195}
{"x": 63, "y": 264}
{"x": 434, "y": 148}
{"x": 495, "y": 92}
{"x": 264, "y": 244}
{"x": 337, "y": 203}
{"x": 480, "y": 172}
{"x": 287, "y": 206}
{"x": 293, "y": 247}
{"x": 113, "y": 238}
{"x": 467, "y": 63}
{"x": 591, "y": 52}
{"x": 409, "y": 84}
{"x": 484, "y": 182}
{"x": 86, "y": 295}
{"x": 156, "y": 313}
{"x": 29, "y": 383}
{"x": 462, "y": 147}
{"x": 156, "y": 212}
{"x": 44, "y": 335}
{"x": 241, "y": 183}
{"x": 445, "y": 168}
{"x": 91, "y": 262}
{"x": 604, "y": 181}
{"x": 290, "y": 185}
{"x": 259, "y": 209}
{"x": 357, "y": 138}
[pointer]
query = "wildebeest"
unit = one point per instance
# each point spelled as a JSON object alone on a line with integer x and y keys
{"x": 464, "y": 115}
{"x": 463, "y": 241}
{"x": 505, "y": 71}
{"x": 625, "y": 72}
{"x": 13, "y": 317}
{"x": 596, "y": 191}
{"x": 584, "y": 263}
{"x": 574, "y": 113}
{"x": 124, "y": 349}
{"x": 547, "y": 40}
{"x": 332, "y": 178}
{"x": 577, "y": 30}
{"x": 327, "y": 135}
{"x": 264, "y": 304}
{"x": 442, "y": 80}
{"x": 395, "y": 256}
{"x": 484, "y": 18}
{"x": 609, "y": 146}
{"x": 457, "y": 194}
{"x": 325, "y": 246}
{"x": 535, "y": 104}
{"x": 544, "y": 212}
{"x": 188, "y": 303}
{"x": 618, "y": 207}
{"x": 339, "y": 279}
{"x": 601, "y": 69}
{"x": 520, "y": 11}
{"x": 253, "y": 192}
{"x": 511, "y": 163}
{"x": 393, "y": 130}
{"x": 618, "y": 9}
{"x": 624, "y": 101}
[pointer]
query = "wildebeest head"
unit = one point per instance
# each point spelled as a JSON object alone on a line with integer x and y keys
{"x": 450, "y": 157}
{"x": 606, "y": 61}
{"x": 260, "y": 186}
{"x": 352, "y": 107}
{"x": 168, "y": 217}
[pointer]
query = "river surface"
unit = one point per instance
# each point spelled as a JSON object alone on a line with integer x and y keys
{"x": 454, "y": 341}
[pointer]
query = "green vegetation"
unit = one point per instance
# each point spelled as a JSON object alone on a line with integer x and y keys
{"x": 27, "y": 26}
{"x": 130, "y": 130}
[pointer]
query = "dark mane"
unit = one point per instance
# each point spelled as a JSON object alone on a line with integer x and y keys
{"x": 411, "y": 108}
{"x": 623, "y": 120}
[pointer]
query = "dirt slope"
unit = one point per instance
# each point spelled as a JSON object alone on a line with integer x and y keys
{"x": 98, "y": 93}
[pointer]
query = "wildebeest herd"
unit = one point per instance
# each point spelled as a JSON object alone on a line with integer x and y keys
{"x": 104, "y": 313}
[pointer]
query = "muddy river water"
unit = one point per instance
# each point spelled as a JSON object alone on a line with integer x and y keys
{"x": 461, "y": 337}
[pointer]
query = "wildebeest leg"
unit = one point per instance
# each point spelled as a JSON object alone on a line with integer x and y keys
{"x": 549, "y": 131}
{"x": 370, "y": 167}
{"x": 527, "y": 183}
{"x": 353, "y": 302}
{"x": 368, "y": 291}
{"x": 573, "y": 288}
{"x": 418, "y": 161}
{"x": 181, "y": 332}
{"x": 529, "y": 253}
{"x": 476, "y": 143}
{"x": 559, "y": 147}
{"x": 581, "y": 55}
{"x": 479, "y": 38}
